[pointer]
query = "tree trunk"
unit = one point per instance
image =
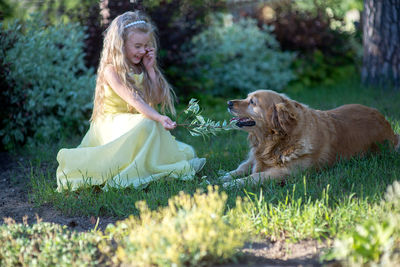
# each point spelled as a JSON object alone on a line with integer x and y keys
{"x": 381, "y": 41}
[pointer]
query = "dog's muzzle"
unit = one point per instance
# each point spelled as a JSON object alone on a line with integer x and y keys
{"x": 240, "y": 122}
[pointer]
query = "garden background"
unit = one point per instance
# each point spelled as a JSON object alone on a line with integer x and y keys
{"x": 314, "y": 51}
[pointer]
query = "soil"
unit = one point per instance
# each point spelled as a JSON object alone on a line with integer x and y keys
{"x": 16, "y": 204}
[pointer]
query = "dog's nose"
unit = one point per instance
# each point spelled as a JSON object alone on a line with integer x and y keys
{"x": 230, "y": 104}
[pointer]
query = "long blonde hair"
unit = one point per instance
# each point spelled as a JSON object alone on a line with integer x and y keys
{"x": 113, "y": 53}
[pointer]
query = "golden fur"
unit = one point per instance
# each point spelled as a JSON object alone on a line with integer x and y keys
{"x": 289, "y": 136}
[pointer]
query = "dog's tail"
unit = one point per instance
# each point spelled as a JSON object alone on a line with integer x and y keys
{"x": 397, "y": 146}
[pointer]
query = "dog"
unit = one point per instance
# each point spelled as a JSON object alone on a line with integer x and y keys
{"x": 286, "y": 136}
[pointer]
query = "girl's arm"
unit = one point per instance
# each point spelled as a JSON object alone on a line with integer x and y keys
{"x": 135, "y": 100}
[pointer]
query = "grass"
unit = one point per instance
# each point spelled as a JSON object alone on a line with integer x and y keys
{"x": 311, "y": 205}
{"x": 361, "y": 177}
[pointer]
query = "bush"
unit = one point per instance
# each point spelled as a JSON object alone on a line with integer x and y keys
{"x": 7, "y": 39}
{"x": 317, "y": 31}
{"x": 239, "y": 58}
{"x": 51, "y": 87}
{"x": 47, "y": 244}
{"x": 190, "y": 231}
{"x": 318, "y": 68}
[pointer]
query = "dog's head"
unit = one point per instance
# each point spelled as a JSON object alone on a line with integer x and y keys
{"x": 266, "y": 111}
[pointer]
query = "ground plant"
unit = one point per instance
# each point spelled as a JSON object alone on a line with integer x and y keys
{"x": 190, "y": 231}
{"x": 47, "y": 244}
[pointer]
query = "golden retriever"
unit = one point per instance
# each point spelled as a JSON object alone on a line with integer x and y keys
{"x": 286, "y": 136}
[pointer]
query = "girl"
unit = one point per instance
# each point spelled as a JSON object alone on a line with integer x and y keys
{"x": 128, "y": 142}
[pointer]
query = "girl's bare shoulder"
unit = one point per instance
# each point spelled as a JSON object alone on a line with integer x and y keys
{"x": 110, "y": 73}
{"x": 109, "y": 69}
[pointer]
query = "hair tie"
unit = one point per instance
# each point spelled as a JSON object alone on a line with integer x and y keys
{"x": 134, "y": 23}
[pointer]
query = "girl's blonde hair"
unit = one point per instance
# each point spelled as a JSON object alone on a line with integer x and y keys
{"x": 114, "y": 54}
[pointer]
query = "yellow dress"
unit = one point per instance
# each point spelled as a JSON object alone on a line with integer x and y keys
{"x": 124, "y": 149}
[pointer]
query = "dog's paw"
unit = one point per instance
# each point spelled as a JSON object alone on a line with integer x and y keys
{"x": 233, "y": 183}
{"x": 228, "y": 185}
{"x": 225, "y": 178}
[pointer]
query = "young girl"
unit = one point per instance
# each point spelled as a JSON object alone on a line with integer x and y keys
{"x": 128, "y": 142}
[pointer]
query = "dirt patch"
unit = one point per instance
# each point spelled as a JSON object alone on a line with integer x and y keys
{"x": 15, "y": 204}
{"x": 267, "y": 253}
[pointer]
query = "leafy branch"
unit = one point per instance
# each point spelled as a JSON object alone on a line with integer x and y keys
{"x": 197, "y": 125}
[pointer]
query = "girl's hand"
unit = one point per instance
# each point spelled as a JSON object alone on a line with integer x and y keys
{"x": 167, "y": 123}
{"x": 149, "y": 59}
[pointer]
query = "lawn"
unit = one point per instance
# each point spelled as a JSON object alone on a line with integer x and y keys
{"x": 314, "y": 205}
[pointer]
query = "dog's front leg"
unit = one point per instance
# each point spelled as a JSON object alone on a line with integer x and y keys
{"x": 259, "y": 177}
{"x": 243, "y": 169}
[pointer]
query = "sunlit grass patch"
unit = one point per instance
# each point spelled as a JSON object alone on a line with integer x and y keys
{"x": 322, "y": 204}
{"x": 295, "y": 219}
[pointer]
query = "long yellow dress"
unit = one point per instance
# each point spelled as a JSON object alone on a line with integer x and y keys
{"x": 122, "y": 149}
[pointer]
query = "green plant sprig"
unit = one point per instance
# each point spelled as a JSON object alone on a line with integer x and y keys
{"x": 197, "y": 125}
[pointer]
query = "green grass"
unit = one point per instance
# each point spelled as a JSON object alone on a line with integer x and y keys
{"x": 311, "y": 205}
{"x": 363, "y": 177}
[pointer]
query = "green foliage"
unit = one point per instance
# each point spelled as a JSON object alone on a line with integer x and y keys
{"x": 317, "y": 68}
{"x": 337, "y": 7}
{"x": 47, "y": 244}
{"x": 376, "y": 241}
{"x": 6, "y": 9}
{"x": 200, "y": 126}
{"x": 325, "y": 34}
{"x": 190, "y": 231}
{"x": 52, "y": 88}
{"x": 232, "y": 62}
{"x": 52, "y": 11}
{"x": 185, "y": 3}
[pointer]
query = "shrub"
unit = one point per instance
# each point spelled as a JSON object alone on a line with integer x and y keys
{"x": 47, "y": 244}
{"x": 316, "y": 30}
{"x": 308, "y": 25}
{"x": 190, "y": 231}
{"x": 51, "y": 89}
{"x": 239, "y": 57}
{"x": 7, "y": 39}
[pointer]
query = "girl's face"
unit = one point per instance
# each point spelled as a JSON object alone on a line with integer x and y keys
{"x": 136, "y": 46}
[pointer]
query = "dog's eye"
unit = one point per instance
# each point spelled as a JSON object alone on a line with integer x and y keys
{"x": 252, "y": 102}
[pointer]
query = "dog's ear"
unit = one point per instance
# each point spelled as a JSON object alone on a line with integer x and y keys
{"x": 283, "y": 117}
